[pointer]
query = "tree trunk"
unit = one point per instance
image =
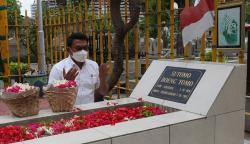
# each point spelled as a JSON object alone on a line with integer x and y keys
{"x": 121, "y": 30}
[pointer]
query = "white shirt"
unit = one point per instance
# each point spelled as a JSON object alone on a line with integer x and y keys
{"x": 87, "y": 79}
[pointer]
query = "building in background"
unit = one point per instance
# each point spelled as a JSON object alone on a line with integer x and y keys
{"x": 47, "y": 3}
{"x": 33, "y": 10}
{"x": 50, "y": 3}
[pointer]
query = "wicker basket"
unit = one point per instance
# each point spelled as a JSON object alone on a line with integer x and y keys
{"x": 61, "y": 100}
{"x": 23, "y": 104}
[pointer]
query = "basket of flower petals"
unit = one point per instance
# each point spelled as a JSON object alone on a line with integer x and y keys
{"x": 21, "y": 99}
{"x": 62, "y": 95}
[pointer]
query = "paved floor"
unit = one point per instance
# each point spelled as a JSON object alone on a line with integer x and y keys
{"x": 247, "y": 138}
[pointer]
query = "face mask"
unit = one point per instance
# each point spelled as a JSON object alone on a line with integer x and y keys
{"x": 80, "y": 56}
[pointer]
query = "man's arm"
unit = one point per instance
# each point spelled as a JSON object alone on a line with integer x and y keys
{"x": 61, "y": 74}
{"x": 103, "y": 87}
{"x": 55, "y": 74}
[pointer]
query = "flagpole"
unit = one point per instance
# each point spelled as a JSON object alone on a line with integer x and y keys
{"x": 186, "y": 48}
{"x": 159, "y": 28}
{"x": 203, "y": 47}
{"x": 42, "y": 64}
{"x": 214, "y": 35}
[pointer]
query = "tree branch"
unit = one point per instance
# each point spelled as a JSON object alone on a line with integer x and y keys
{"x": 134, "y": 10}
{"x": 116, "y": 16}
{"x": 120, "y": 31}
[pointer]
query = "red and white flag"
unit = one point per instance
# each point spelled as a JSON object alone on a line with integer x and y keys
{"x": 196, "y": 20}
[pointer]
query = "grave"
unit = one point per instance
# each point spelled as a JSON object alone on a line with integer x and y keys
{"x": 216, "y": 93}
{"x": 205, "y": 104}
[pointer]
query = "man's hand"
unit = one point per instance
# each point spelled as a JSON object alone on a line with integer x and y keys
{"x": 104, "y": 87}
{"x": 103, "y": 71}
{"x": 71, "y": 74}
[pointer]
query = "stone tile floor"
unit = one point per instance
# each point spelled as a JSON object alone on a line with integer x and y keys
{"x": 247, "y": 138}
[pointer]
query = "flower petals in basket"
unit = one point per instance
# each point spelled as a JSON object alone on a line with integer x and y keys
{"x": 21, "y": 99}
{"x": 62, "y": 95}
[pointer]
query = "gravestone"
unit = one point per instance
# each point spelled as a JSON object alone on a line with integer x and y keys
{"x": 214, "y": 91}
{"x": 154, "y": 51}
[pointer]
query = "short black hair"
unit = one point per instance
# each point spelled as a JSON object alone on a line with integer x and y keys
{"x": 74, "y": 36}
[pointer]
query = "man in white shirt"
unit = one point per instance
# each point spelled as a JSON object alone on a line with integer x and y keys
{"x": 90, "y": 79}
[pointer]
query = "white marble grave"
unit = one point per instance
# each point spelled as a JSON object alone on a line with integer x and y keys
{"x": 213, "y": 114}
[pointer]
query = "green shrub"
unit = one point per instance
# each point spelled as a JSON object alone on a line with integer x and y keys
{"x": 208, "y": 56}
{"x": 14, "y": 68}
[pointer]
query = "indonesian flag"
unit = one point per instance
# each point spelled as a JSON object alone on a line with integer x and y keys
{"x": 196, "y": 20}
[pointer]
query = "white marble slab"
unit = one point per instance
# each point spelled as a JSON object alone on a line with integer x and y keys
{"x": 102, "y": 142}
{"x": 203, "y": 95}
{"x": 154, "y": 136}
{"x": 42, "y": 113}
{"x": 104, "y": 104}
{"x": 129, "y": 127}
{"x": 90, "y": 106}
{"x": 232, "y": 95}
{"x": 126, "y": 100}
{"x": 178, "y": 117}
{"x": 230, "y": 128}
{"x": 199, "y": 131}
